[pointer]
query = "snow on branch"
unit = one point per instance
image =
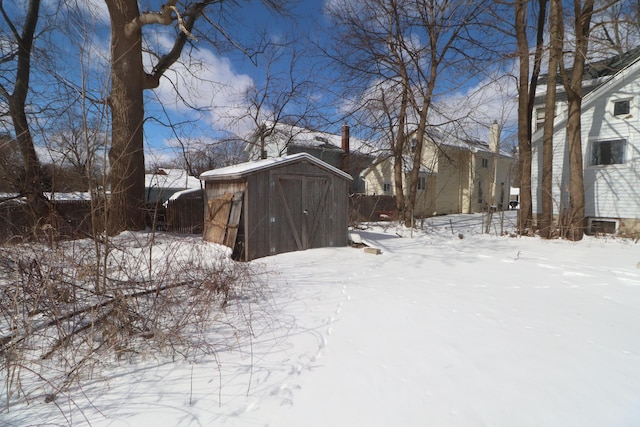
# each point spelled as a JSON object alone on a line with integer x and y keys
{"x": 163, "y": 18}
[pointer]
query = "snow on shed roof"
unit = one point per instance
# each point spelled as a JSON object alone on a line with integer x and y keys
{"x": 244, "y": 169}
{"x": 171, "y": 178}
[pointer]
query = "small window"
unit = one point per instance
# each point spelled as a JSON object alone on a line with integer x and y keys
{"x": 422, "y": 183}
{"x": 539, "y": 118}
{"x": 485, "y": 163}
{"x": 608, "y": 152}
{"x": 386, "y": 187}
{"x": 621, "y": 108}
{"x": 602, "y": 226}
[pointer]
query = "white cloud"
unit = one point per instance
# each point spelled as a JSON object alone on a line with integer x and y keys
{"x": 208, "y": 83}
{"x": 493, "y": 98}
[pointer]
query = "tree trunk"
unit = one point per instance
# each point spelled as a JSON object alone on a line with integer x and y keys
{"x": 575, "y": 214}
{"x": 398, "y": 166}
{"x": 525, "y": 214}
{"x": 399, "y": 145}
{"x": 545, "y": 222}
{"x": 126, "y": 209}
{"x": 414, "y": 174}
{"x": 31, "y": 185}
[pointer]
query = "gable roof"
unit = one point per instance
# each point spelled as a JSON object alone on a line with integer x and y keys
{"x": 631, "y": 66}
{"x": 443, "y": 139}
{"x": 596, "y": 74}
{"x": 304, "y": 137}
{"x": 407, "y": 164}
{"x": 604, "y": 67}
{"x": 243, "y": 169}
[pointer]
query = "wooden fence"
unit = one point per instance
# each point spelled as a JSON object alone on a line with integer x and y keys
{"x": 75, "y": 219}
{"x": 363, "y": 208}
{"x": 184, "y": 216}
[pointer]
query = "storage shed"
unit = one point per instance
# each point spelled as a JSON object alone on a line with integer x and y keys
{"x": 276, "y": 205}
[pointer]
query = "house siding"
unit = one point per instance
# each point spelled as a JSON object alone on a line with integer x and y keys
{"x": 454, "y": 184}
{"x": 611, "y": 191}
{"x": 452, "y": 176}
{"x": 377, "y": 176}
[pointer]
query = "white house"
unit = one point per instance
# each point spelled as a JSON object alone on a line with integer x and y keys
{"x": 610, "y": 146}
{"x": 456, "y": 175}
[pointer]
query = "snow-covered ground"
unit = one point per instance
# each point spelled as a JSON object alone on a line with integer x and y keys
{"x": 446, "y": 327}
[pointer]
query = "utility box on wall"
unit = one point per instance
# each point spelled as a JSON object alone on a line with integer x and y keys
{"x": 276, "y": 205}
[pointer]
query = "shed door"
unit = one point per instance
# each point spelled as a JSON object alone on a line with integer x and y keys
{"x": 222, "y": 218}
{"x": 299, "y": 211}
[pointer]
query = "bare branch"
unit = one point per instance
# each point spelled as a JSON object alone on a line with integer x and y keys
{"x": 186, "y": 26}
{"x": 163, "y": 18}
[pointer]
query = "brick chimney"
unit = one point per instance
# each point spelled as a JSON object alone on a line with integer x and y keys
{"x": 345, "y": 138}
{"x": 345, "y": 147}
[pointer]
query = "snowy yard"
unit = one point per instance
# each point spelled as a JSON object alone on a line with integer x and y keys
{"x": 437, "y": 330}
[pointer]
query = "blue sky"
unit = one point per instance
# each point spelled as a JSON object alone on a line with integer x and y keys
{"x": 222, "y": 76}
{"x": 212, "y": 80}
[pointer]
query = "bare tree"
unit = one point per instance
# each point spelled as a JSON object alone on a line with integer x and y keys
{"x": 76, "y": 145}
{"x": 527, "y": 83}
{"x": 128, "y": 82}
{"x": 572, "y": 80}
{"x": 14, "y": 89}
{"x": 398, "y": 52}
{"x": 616, "y": 28}
{"x": 284, "y": 96}
{"x": 556, "y": 34}
{"x": 200, "y": 155}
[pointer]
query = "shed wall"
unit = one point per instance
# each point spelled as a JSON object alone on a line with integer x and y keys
{"x": 292, "y": 207}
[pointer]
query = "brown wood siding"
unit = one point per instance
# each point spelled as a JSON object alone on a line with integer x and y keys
{"x": 257, "y": 216}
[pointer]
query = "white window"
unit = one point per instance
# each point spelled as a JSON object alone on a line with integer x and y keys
{"x": 422, "y": 183}
{"x": 608, "y": 152}
{"x": 386, "y": 187}
{"x": 622, "y": 107}
{"x": 485, "y": 163}
{"x": 539, "y": 118}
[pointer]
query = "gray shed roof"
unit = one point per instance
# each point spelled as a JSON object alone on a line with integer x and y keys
{"x": 244, "y": 169}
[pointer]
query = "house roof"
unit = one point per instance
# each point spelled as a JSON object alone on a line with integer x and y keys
{"x": 474, "y": 145}
{"x": 442, "y": 140}
{"x": 243, "y": 169}
{"x": 304, "y": 137}
{"x": 595, "y": 75}
{"x": 407, "y": 163}
{"x": 604, "y": 67}
{"x": 171, "y": 178}
{"x": 632, "y": 65}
